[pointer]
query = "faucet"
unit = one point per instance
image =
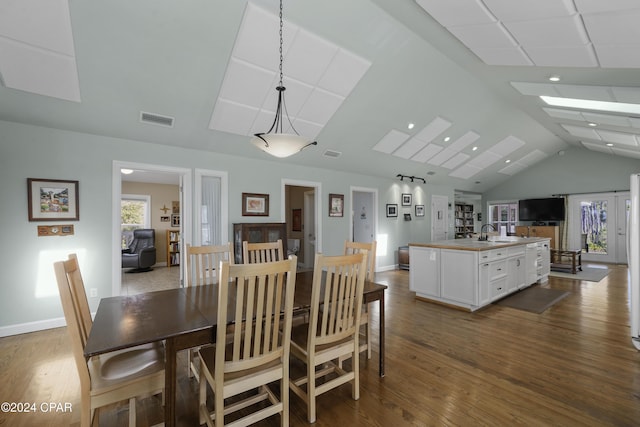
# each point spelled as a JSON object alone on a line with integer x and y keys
{"x": 486, "y": 237}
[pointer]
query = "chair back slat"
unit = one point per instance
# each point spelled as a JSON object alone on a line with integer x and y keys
{"x": 370, "y": 247}
{"x": 203, "y": 262}
{"x": 262, "y": 252}
{"x": 261, "y": 296}
{"x": 336, "y": 297}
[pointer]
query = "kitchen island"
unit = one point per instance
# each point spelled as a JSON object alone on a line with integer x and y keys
{"x": 470, "y": 274}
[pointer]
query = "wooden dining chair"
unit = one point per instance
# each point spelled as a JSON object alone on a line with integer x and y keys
{"x": 262, "y": 252}
{"x": 259, "y": 299}
{"x": 111, "y": 377}
{"x": 202, "y": 269}
{"x": 332, "y": 331}
{"x": 354, "y": 248}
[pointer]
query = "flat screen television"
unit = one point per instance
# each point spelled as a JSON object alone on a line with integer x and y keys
{"x": 549, "y": 209}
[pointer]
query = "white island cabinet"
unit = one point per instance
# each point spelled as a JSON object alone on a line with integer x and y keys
{"x": 471, "y": 274}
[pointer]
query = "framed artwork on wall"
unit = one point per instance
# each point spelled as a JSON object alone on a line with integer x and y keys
{"x": 254, "y": 204}
{"x": 419, "y": 210}
{"x": 336, "y": 204}
{"x": 392, "y": 210}
{"x": 406, "y": 199}
{"x": 52, "y": 200}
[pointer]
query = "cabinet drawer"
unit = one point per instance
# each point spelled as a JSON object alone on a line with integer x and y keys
{"x": 497, "y": 270}
{"x": 493, "y": 254}
{"x": 498, "y": 287}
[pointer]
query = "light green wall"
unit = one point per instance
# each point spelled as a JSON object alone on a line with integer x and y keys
{"x": 577, "y": 171}
{"x": 28, "y": 292}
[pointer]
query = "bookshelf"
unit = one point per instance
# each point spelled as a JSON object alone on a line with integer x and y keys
{"x": 463, "y": 220}
{"x": 173, "y": 247}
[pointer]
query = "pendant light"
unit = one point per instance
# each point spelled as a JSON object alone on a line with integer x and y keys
{"x": 274, "y": 141}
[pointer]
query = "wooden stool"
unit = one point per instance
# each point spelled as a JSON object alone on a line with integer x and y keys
{"x": 560, "y": 260}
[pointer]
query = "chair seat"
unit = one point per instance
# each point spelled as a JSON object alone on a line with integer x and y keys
{"x": 109, "y": 370}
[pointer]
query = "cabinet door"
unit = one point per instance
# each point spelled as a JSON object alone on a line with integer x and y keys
{"x": 459, "y": 276}
{"x": 424, "y": 274}
{"x": 483, "y": 289}
{"x": 516, "y": 273}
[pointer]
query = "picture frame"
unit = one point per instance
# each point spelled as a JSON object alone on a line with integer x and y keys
{"x": 175, "y": 220}
{"x": 255, "y": 204}
{"x": 164, "y": 218}
{"x": 296, "y": 220}
{"x": 53, "y": 200}
{"x": 419, "y": 210}
{"x": 336, "y": 205}
{"x": 407, "y": 199}
{"x": 392, "y": 210}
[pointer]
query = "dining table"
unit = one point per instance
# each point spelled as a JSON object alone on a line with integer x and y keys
{"x": 184, "y": 318}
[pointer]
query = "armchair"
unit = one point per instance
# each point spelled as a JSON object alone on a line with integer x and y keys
{"x": 141, "y": 253}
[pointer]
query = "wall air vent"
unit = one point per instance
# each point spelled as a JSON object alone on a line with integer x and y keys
{"x": 332, "y": 153}
{"x": 156, "y": 119}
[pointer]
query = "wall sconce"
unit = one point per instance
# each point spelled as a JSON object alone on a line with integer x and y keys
{"x": 412, "y": 178}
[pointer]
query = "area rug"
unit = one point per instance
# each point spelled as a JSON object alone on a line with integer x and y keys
{"x": 534, "y": 299}
{"x": 589, "y": 274}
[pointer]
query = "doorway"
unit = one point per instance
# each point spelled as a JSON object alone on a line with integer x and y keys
{"x": 439, "y": 223}
{"x": 301, "y": 210}
{"x": 152, "y": 174}
{"x": 364, "y": 220}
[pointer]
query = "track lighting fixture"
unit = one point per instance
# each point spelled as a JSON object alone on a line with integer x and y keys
{"x": 412, "y": 178}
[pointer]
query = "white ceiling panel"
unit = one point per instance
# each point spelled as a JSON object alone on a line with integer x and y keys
{"x": 320, "y": 106}
{"x": 457, "y": 12}
{"x": 595, "y": 6}
{"x": 613, "y": 27}
{"x": 503, "y": 56}
{"x": 465, "y": 171}
{"x": 561, "y": 56}
{"x": 464, "y": 141}
{"x": 606, "y": 119}
{"x": 485, "y": 159}
{"x": 391, "y": 141}
{"x": 560, "y": 113}
{"x": 309, "y": 57}
{"x": 225, "y": 117}
{"x": 618, "y": 55}
{"x": 635, "y": 122}
{"x": 427, "y": 152}
{"x": 433, "y": 129}
{"x": 601, "y": 93}
{"x": 507, "y": 146}
{"x": 442, "y": 156}
{"x": 344, "y": 73}
{"x": 626, "y": 94}
{"x": 601, "y": 148}
{"x": 562, "y": 31}
{"x": 306, "y": 128}
{"x": 509, "y": 10}
{"x": 536, "y": 89}
{"x": 247, "y": 84}
{"x": 581, "y": 132}
{"x": 618, "y": 137}
{"x": 410, "y": 148}
{"x": 626, "y": 153}
{"x": 492, "y": 35}
{"x": 456, "y": 161}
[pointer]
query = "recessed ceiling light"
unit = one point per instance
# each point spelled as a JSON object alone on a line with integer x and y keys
{"x": 554, "y": 78}
{"x": 507, "y": 161}
{"x": 447, "y": 138}
{"x": 410, "y": 125}
{"x": 609, "y": 144}
{"x": 593, "y": 124}
{"x": 126, "y": 171}
{"x": 589, "y": 104}
{"x": 474, "y": 148}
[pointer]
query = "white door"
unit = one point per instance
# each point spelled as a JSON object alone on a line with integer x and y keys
{"x": 623, "y": 205}
{"x": 363, "y": 220}
{"x": 439, "y": 221}
{"x": 593, "y": 226}
{"x": 309, "y": 228}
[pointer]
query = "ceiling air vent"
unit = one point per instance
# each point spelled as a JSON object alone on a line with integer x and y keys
{"x": 156, "y": 119}
{"x": 332, "y": 153}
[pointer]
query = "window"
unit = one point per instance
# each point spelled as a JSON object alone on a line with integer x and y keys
{"x": 504, "y": 214}
{"x": 134, "y": 214}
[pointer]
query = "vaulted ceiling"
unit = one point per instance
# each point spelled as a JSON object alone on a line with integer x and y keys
{"x": 468, "y": 75}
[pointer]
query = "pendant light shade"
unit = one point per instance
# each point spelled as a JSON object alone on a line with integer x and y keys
{"x": 275, "y": 141}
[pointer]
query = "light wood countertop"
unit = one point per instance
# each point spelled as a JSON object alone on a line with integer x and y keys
{"x": 477, "y": 245}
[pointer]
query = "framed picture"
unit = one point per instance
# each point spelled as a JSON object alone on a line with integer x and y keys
{"x": 392, "y": 210}
{"x": 255, "y": 204}
{"x": 419, "y": 210}
{"x": 164, "y": 218}
{"x": 175, "y": 220}
{"x": 296, "y": 220}
{"x": 336, "y": 204}
{"x": 53, "y": 200}
{"x": 406, "y": 199}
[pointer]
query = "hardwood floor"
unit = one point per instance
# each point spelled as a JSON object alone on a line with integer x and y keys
{"x": 571, "y": 365}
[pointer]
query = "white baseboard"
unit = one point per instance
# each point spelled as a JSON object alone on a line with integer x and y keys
{"x": 24, "y": 328}
{"x": 387, "y": 268}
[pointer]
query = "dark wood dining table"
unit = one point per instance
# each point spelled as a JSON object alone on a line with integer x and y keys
{"x": 185, "y": 318}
